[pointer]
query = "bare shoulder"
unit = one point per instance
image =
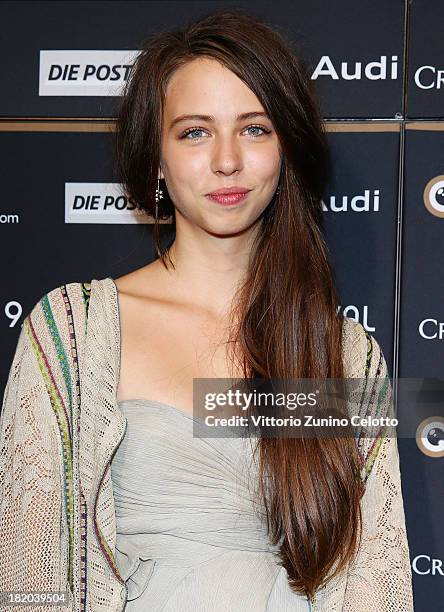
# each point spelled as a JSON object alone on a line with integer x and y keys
{"x": 152, "y": 287}
{"x": 141, "y": 283}
{"x": 146, "y": 301}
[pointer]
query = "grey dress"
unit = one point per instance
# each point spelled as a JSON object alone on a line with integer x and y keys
{"x": 189, "y": 536}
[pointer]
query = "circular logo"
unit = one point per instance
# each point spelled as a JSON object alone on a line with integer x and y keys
{"x": 430, "y": 436}
{"x": 434, "y": 196}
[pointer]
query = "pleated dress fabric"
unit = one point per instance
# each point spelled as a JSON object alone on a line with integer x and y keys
{"x": 191, "y": 536}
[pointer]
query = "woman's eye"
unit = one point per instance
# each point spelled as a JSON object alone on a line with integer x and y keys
{"x": 192, "y": 131}
{"x": 258, "y": 127}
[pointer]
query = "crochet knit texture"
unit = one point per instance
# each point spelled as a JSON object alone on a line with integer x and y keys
{"x": 60, "y": 425}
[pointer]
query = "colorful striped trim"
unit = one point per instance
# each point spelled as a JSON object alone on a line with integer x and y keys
{"x": 368, "y": 460}
{"x": 62, "y": 417}
{"x": 60, "y": 349}
{"x": 82, "y": 536}
{"x": 86, "y": 292}
{"x": 102, "y": 541}
{"x": 65, "y": 421}
{"x": 83, "y": 554}
{"x": 369, "y": 352}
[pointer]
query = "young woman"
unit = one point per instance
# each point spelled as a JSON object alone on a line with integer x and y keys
{"x": 219, "y": 128}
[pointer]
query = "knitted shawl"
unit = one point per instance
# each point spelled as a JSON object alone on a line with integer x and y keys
{"x": 61, "y": 425}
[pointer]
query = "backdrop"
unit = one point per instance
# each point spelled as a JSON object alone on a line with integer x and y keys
{"x": 379, "y": 70}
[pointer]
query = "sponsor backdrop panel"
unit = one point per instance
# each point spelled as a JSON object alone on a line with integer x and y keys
{"x": 74, "y": 57}
{"x": 422, "y": 291}
{"x": 422, "y": 355}
{"x": 360, "y": 212}
{"x": 425, "y": 60}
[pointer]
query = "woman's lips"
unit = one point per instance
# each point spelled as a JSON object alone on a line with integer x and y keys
{"x": 225, "y": 199}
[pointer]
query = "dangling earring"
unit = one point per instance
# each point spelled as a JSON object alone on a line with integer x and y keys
{"x": 158, "y": 196}
{"x": 278, "y": 190}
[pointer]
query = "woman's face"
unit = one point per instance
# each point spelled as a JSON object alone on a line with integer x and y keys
{"x": 204, "y": 154}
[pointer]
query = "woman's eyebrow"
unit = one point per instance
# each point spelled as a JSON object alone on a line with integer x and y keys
{"x": 211, "y": 119}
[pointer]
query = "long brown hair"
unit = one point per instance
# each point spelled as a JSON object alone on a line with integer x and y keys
{"x": 288, "y": 323}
